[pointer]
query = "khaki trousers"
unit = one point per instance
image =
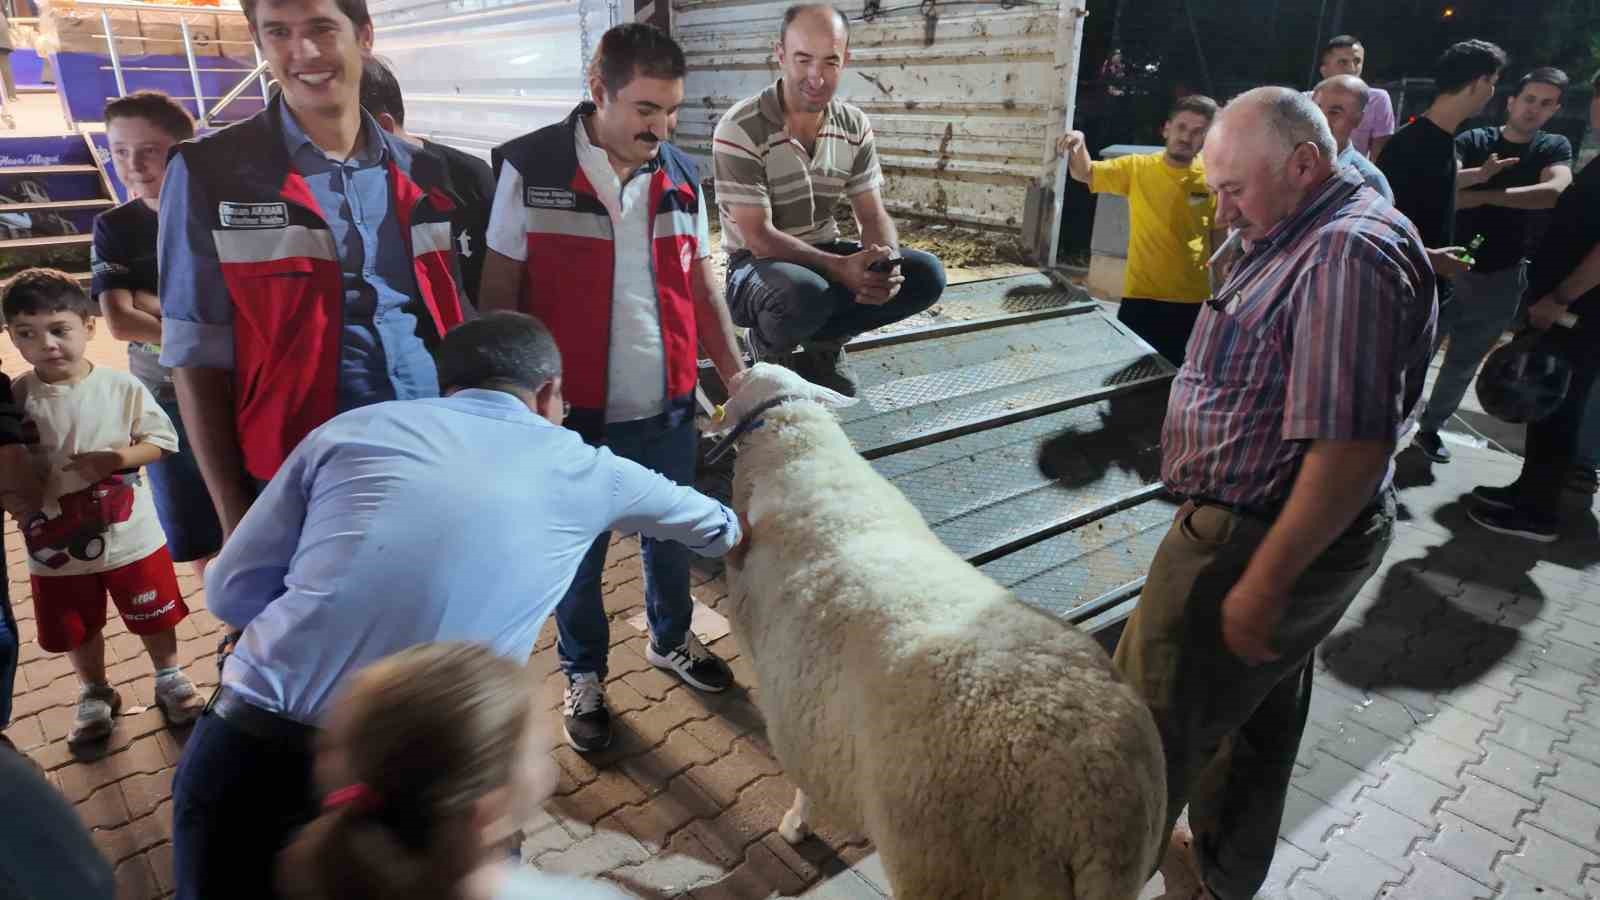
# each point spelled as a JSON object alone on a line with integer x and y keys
{"x": 1231, "y": 731}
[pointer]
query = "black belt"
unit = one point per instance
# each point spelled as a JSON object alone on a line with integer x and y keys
{"x": 230, "y": 707}
{"x": 1268, "y": 512}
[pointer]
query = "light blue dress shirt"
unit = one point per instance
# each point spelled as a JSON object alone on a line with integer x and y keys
{"x": 1368, "y": 171}
{"x": 456, "y": 518}
{"x": 381, "y": 357}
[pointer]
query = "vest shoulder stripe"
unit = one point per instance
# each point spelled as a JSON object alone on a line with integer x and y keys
{"x": 430, "y": 237}
{"x": 271, "y": 244}
{"x": 669, "y": 224}
{"x": 571, "y": 223}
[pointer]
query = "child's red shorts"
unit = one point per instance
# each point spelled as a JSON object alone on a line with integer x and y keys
{"x": 71, "y": 608}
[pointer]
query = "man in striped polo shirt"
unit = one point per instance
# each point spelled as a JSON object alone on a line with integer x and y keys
{"x": 1302, "y": 373}
{"x": 782, "y": 160}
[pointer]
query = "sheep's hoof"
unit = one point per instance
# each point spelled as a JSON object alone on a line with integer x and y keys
{"x": 792, "y": 829}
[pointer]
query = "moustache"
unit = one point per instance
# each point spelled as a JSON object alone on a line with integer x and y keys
{"x": 647, "y": 137}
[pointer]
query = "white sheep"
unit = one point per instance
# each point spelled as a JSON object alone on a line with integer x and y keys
{"x": 987, "y": 749}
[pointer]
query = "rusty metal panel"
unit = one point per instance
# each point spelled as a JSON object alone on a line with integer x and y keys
{"x": 966, "y": 101}
{"x": 477, "y": 73}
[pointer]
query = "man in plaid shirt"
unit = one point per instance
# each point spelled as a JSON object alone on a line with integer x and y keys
{"x": 1301, "y": 377}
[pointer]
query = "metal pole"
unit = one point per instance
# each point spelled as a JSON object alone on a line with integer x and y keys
{"x": 111, "y": 47}
{"x": 1072, "y": 14}
{"x": 234, "y": 92}
{"x": 260, "y": 64}
{"x": 194, "y": 74}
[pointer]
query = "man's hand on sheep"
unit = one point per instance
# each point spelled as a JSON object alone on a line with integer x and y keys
{"x": 1249, "y": 617}
{"x": 736, "y": 555}
{"x": 870, "y": 288}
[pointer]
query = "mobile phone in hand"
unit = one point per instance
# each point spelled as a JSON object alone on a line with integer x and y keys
{"x": 885, "y": 266}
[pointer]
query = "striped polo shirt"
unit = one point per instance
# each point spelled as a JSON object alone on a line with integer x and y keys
{"x": 1323, "y": 333}
{"x": 757, "y": 163}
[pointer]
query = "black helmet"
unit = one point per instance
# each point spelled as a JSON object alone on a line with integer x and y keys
{"x": 1523, "y": 381}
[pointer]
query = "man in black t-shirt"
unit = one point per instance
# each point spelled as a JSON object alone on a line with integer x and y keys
{"x": 1420, "y": 160}
{"x": 1563, "y": 277}
{"x": 1509, "y": 176}
{"x": 141, "y": 129}
{"x": 471, "y": 180}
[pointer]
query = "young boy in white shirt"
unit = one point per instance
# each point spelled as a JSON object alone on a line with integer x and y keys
{"x": 89, "y": 430}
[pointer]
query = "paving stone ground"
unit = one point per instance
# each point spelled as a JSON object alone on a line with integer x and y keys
{"x": 1453, "y": 750}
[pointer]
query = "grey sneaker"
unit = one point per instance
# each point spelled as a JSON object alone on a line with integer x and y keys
{"x": 584, "y": 716}
{"x": 178, "y": 699}
{"x": 98, "y": 706}
{"x": 823, "y": 363}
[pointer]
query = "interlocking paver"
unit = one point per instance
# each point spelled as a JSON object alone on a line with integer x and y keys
{"x": 1577, "y": 777}
{"x": 1349, "y": 871}
{"x": 1467, "y": 848}
{"x": 1545, "y": 708}
{"x": 1411, "y": 793}
{"x": 1333, "y": 780}
{"x": 1433, "y": 880}
{"x": 1308, "y": 822}
{"x": 1575, "y": 820}
{"x": 1528, "y": 737}
{"x": 1548, "y": 858}
{"x": 1490, "y": 806}
{"x": 1511, "y": 770}
{"x": 1386, "y": 834}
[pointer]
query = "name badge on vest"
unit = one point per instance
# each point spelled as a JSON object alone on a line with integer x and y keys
{"x": 253, "y": 215}
{"x": 549, "y": 198}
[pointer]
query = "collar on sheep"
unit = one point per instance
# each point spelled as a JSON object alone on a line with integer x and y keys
{"x": 746, "y": 425}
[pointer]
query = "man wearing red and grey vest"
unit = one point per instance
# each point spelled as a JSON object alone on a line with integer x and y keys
{"x": 599, "y": 229}
{"x": 305, "y": 257}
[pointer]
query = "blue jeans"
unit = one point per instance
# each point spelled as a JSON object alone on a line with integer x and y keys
{"x": 236, "y": 801}
{"x": 182, "y": 502}
{"x": 788, "y": 304}
{"x": 583, "y": 631}
{"x": 1483, "y": 306}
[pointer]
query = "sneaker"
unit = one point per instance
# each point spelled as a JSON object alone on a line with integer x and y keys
{"x": 1432, "y": 446}
{"x": 180, "y": 702}
{"x": 696, "y": 665}
{"x": 824, "y": 364}
{"x": 1500, "y": 498}
{"x": 584, "y": 716}
{"x": 1584, "y": 480}
{"x": 98, "y": 706}
{"x": 1517, "y": 523}
{"x": 760, "y": 351}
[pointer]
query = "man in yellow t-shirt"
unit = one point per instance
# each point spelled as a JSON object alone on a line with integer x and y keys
{"x": 1171, "y": 215}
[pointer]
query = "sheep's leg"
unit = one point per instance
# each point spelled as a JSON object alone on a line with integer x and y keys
{"x": 793, "y": 827}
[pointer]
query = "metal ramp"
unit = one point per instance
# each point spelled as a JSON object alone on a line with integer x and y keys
{"x": 1025, "y": 425}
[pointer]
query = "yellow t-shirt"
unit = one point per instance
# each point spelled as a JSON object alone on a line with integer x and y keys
{"x": 1170, "y": 216}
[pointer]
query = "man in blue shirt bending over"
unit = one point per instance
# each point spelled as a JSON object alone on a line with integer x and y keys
{"x": 458, "y": 518}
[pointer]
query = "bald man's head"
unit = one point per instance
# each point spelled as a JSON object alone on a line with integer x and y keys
{"x": 1343, "y": 101}
{"x": 813, "y": 47}
{"x": 1269, "y": 149}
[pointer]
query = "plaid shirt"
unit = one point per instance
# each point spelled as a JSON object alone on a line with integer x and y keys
{"x": 1324, "y": 332}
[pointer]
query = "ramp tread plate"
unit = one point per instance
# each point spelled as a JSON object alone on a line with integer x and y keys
{"x": 1062, "y": 573}
{"x": 985, "y": 490}
{"x": 915, "y": 390}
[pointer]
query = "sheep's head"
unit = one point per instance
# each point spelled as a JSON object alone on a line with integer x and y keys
{"x": 765, "y": 382}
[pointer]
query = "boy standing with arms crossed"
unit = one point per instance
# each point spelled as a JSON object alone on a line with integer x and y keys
{"x": 89, "y": 430}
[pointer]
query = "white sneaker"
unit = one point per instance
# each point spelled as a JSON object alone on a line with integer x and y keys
{"x": 180, "y": 702}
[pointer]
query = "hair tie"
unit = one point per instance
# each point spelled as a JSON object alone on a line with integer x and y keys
{"x": 359, "y": 797}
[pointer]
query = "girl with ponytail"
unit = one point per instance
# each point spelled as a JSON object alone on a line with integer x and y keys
{"x": 429, "y": 762}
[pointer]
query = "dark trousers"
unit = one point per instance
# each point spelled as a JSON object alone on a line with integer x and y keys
{"x": 788, "y": 304}
{"x": 1163, "y": 324}
{"x": 583, "y": 632}
{"x": 1552, "y": 447}
{"x": 10, "y": 646}
{"x": 1230, "y": 730}
{"x": 237, "y": 800}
